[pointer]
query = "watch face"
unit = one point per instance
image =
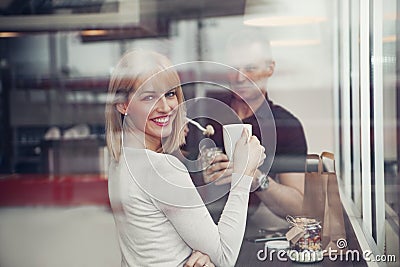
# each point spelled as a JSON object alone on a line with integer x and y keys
{"x": 264, "y": 182}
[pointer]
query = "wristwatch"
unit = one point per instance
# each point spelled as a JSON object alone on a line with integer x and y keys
{"x": 263, "y": 182}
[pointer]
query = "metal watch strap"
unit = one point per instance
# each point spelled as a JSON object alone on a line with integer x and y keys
{"x": 263, "y": 182}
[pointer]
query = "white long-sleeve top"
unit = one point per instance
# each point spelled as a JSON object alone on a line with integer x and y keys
{"x": 161, "y": 218}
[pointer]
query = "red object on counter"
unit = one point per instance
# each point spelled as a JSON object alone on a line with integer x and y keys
{"x": 53, "y": 190}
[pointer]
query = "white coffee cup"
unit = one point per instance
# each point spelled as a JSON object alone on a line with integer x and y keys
{"x": 232, "y": 133}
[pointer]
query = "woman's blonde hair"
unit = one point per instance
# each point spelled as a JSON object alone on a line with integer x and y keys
{"x": 133, "y": 70}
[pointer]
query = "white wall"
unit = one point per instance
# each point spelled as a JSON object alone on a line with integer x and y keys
{"x": 91, "y": 59}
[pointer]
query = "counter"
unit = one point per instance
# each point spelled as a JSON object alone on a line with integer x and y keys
{"x": 53, "y": 190}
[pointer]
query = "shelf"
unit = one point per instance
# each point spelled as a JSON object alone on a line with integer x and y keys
{"x": 84, "y": 83}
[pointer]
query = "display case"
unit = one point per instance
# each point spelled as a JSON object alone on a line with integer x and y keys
{"x": 37, "y": 106}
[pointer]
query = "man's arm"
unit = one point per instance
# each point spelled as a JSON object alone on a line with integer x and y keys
{"x": 284, "y": 198}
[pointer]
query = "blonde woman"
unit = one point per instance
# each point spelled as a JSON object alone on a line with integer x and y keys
{"x": 159, "y": 215}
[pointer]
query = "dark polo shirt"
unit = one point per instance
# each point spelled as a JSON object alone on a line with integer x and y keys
{"x": 287, "y": 153}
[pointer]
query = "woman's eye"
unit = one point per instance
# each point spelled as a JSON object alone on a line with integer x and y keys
{"x": 148, "y": 98}
{"x": 170, "y": 94}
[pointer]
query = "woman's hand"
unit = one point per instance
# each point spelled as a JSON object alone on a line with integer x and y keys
{"x": 198, "y": 259}
{"x": 248, "y": 154}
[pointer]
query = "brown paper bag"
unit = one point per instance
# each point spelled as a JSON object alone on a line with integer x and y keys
{"x": 322, "y": 202}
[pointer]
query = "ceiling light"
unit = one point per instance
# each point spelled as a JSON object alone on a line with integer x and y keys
{"x": 8, "y": 34}
{"x": 304, "y": 42}
{"x": 284, "y": 12}
{"x": 93, "y": 32}
{"x": 390, "y": 16}
{"x": 389, "y": 39}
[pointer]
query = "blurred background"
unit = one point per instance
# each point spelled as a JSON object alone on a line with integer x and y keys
{"x": 336, "y": 70}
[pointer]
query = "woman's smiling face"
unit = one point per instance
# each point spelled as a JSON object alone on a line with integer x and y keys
{"x": 145, "y": 87}
{"x": 153, "y": 112}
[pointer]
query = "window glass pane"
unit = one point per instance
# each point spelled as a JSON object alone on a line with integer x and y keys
{"x": 355, "y": 102}
{"x": 391, "y": 124}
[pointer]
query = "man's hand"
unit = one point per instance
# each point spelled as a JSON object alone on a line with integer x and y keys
{"x": 198, "y": 259}
{"x": 220, "y": 169}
